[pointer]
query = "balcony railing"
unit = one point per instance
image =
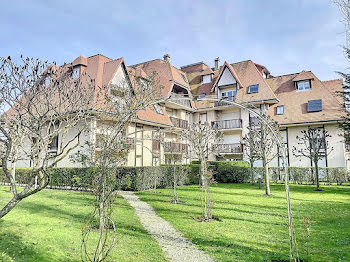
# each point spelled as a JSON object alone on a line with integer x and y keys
{"x": 180, "y": 101}
{"x": 171, "y": 147}
{"x": 224, "y": 103}
{"x": 227, "y": 124}
{"x": 235, "y": 148}
{"x": 177, "y": 122}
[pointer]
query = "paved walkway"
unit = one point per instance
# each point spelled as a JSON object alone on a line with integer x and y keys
{"x": 176, "y": 247}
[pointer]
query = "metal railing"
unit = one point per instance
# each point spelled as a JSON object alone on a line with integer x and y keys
{"x": 227, "y": 124}
{"x": 180, "y": 101}
{"x": 234, "y": 148}
{"x": 172, "y": 147}
{"x": 177, "y": 122}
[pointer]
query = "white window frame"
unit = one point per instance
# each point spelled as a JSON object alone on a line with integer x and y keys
{"x": 226, "y": 94}
{"x": 280, "y": 110}
{"x": 302, "y": 84}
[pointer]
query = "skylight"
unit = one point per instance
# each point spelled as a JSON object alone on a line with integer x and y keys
{"x": 253, "y": 89}
{"x": 184, "y": 77}
{"x": 158, "y": 109}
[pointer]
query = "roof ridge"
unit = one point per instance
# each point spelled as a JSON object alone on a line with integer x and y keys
{"x": 332, "y": 80}
{"x": 290, "y": 74}
{"x": 120, "y": 58}
{"x": 99, "y": 55}
{"x": 138, "y": 64}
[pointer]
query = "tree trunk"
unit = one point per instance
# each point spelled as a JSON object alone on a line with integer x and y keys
{"x": 102, "y": 225}
{"x": 267, "y": 177}
{"x": 316, "y": 175}
{"x": 252, "y": 172}
{"x": 10, "y": 205}
{"x": 174, "y": 177}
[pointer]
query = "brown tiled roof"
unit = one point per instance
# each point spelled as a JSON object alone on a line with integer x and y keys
{"x": 80, "y": 60}
{"x": 250, "y": 75}
{"x": 335, "y": 87}
{"x": 303, "y": 75}
{"x": 194, "y": 67}
{"x": 149, "y": 114}
{"x": 207, "y": 71}
{"x": 295, "y": 103}
{"x": 166, "y": 75}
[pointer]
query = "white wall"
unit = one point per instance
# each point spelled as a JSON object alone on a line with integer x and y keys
{"x": 206, "y": 79}
{"x": 226, "y": 78}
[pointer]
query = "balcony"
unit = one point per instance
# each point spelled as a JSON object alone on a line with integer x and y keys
{"x": 235, "y": 148}
{"x": 227, "y": 124}
{"x": 177, "y": 122}
{"x": 175, "y": 148}
{"x": 224, "y": 103}
{"x": 181, "y": 100}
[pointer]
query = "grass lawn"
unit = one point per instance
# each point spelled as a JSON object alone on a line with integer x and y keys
{"x": 254, "y": 227}
{"x": 47, "y": 227}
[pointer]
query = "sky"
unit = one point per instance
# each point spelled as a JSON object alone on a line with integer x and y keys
{"x": 286, "y": 36}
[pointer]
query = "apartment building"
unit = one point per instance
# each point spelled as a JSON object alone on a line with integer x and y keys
{"x": 296, "y": 101}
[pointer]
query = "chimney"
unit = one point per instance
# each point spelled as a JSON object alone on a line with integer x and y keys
{"x": 216, "y": 64}
{"x": 166, "y": 58}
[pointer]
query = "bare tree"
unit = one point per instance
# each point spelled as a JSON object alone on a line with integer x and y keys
{"x": 177, "y": 152}
{"x": 268, "y": 148}
{"x": 41, "y": 103}
{"x": 203, "y": 140}
{"x": 251, "y": 145}
{"x": 314, "y": 145}
{"x": 119, "y": 106}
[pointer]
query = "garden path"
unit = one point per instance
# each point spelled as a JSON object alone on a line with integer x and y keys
{"x": 176, "y": 247}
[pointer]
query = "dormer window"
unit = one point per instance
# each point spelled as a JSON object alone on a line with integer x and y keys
{"x": 253, "y": 89}
{"x": 206, "y": 79}
{"x": 303, "y": 85}
{"x": 202, "y": 95}
{"x": 158, "y": 109}
{"x": 75, "y": 72}
{"x": 280, "y": 110}
{"x": 47, "y": 80}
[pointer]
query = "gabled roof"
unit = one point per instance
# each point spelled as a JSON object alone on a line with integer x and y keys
{"x": 295, "y": 103}
{"x": 80, "y": 60}
{"x": 233, "y": 72}
{"x": 250, "y": 75}
{"x": 166, "y": 76}
{"x": 207, "y": 71}
{"x": 303, "y": 75}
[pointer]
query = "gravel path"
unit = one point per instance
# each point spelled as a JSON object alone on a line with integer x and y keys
{"x": 176, "y": 247}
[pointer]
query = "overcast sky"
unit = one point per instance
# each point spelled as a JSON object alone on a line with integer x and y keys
{"x": 286, "y": 36}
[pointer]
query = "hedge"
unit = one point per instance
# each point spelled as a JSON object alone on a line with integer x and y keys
{"x": 142, "y": 178}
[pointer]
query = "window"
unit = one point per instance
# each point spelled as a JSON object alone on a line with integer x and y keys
{"x": 202, "y": 95}
{"x": 314, "y": 105}
{"x": 303, "y": 85}
{"x": 75, "y": 72}
{"x": 280, "y": 110}
{"x": 206, "y": 79}
{"x": 253, "y": 89}
{"x": 158, "y": 109}
{"x": 230, "y": 93}
{"x": 184, "y": 77}
{"x": 47, "y": 81}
